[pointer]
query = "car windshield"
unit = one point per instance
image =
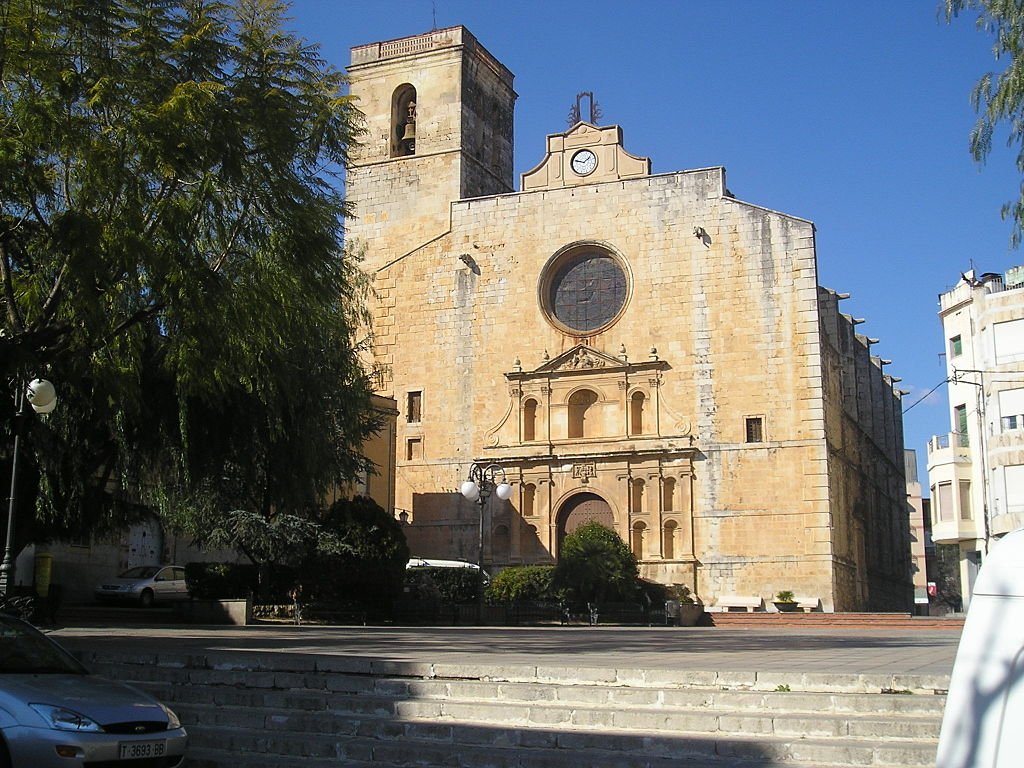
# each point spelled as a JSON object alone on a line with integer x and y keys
{"x": 26, "y": 650}
{"x": 142, "y": 572}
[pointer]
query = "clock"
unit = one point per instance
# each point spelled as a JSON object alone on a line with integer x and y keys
{"x": 584, "y": 162}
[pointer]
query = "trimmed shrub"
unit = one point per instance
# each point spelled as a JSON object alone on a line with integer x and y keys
{"x": 221, "y": 581}
{"x": 232, "y": 581}
{"x": 449, "y": 585}
{"x": 596, "y": 566}
{"x": 527, "y": 582}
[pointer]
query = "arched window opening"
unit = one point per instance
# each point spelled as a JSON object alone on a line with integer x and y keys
{"x": 532, "y": 545}
{"x": 403, "y": 121}
{"x": 529, "y": 497}
{"x": 639, "y": 530}
{"x": 579, "y": 403}
{"x": 636, "y": 413}
{"x": 668, "y": 544}
{"x": 638, "y": 496}
{"x": 500, "y": 543}
{"x": 668, "y": 492}
{"x": 530, "y": 420}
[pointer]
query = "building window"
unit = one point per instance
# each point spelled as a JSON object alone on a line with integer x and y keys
{"x": 956, "y": 346}
{"x": 1013, "y": 490}
{"x": 755, "y": 429}
{"x": 960, "y": 424}
{"x": 501, "y": 543}
{"x": 530, "y": 420}
{"x": 1011, "y": 409}
{"x": 639, "y": 530}
{"x": 403, "y": 121}
{"x": 965, "y": 500}
{"x": 529, "y": 499}
{"x": 1008, "y": 340}
{"x": 944, "y": 505}
{"x": 414, "y": 407}
{"x": 584, "y": 289}
{"x": 414, "y": 449}
{"x": 638, "y": 496}
{"x": 636, "y": 413}
{"x": 668, "y": 544}
{"x": 579, "y": 403}
{"x": 668, "y": 492}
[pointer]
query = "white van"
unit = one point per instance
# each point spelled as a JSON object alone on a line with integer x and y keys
{"x": 430, "y": 562}
{"x": 983, "y": 723}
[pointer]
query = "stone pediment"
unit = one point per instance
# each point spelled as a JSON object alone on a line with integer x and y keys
{"x": 584, "y": 359}
{"x": 580, "y": 358}
{"x": 585, "y": 154}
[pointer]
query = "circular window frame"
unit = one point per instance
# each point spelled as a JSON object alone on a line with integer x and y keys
{"x": 554, "y": 265}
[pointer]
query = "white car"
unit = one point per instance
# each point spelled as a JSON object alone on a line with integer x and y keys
{"x": 55, "y": 714}
{"x": 431, "y": 562}
{"x": 146, "y": 585}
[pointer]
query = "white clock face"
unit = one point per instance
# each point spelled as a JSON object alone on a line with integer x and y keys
{"x": 584, "y": 162}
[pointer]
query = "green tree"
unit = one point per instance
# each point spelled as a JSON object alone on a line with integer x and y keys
{"x": 360, "y": 557}
{"x": 596, "y": 566}
{"x": 999, "y": 97}
{"x": 170, "y": 256}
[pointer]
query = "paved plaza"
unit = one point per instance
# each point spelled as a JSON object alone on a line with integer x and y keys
{"x": 840, "y": 651}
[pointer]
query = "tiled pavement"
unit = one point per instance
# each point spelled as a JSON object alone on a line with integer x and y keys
{"x": 838, "y": 651}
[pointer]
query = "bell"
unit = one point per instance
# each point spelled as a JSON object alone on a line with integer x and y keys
{"x": 410, "y": 123}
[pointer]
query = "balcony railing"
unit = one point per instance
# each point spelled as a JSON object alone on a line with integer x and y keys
{"x": 948, "y": 440}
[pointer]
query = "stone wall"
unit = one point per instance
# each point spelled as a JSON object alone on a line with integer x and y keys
{"x": 762, "y": 460}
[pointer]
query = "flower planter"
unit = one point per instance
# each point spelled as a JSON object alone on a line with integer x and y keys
{"x": 787, "y": 607}
{"x": 689, "y": 614}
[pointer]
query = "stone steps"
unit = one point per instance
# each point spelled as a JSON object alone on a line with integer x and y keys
{"x": 255, "y": 710}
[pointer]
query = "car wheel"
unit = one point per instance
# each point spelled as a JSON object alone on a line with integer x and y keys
{"x": 147, "y": 598}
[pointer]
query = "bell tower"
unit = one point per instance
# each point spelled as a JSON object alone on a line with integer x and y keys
{"x": 438, "y": 116}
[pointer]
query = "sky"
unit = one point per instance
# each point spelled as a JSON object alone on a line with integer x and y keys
{"x": 855, "y": 116}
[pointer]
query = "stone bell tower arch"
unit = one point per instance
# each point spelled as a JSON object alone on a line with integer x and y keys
{"x": 438, "y": 113}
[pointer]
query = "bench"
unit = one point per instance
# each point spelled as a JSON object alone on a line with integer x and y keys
{"x": 808, "y": 604}
{"x": 727, "y": 603}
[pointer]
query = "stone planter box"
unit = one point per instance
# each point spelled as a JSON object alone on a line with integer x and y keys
{"x": 689, "y": 614}
{"x": 216, "y": 611}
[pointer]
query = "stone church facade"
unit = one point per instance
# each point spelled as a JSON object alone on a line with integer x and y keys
{"x": 645, "y": 350}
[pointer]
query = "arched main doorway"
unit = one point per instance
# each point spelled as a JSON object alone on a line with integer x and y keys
{"x": 581, "y": 509}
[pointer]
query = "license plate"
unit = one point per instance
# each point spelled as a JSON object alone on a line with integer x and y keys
{"x": 132, "y": 750}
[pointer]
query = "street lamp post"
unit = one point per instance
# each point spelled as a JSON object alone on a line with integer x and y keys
{"x": 482, "y": 482}
{"x": 41, "y": 395}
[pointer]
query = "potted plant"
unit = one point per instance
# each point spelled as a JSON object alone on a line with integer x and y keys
{"x": 784, "y": 601}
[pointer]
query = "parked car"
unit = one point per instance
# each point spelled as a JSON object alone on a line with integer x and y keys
{"x": 432, "y": 562}
{"x": 55, "y": 714}
{"x": 146, "y": 584}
